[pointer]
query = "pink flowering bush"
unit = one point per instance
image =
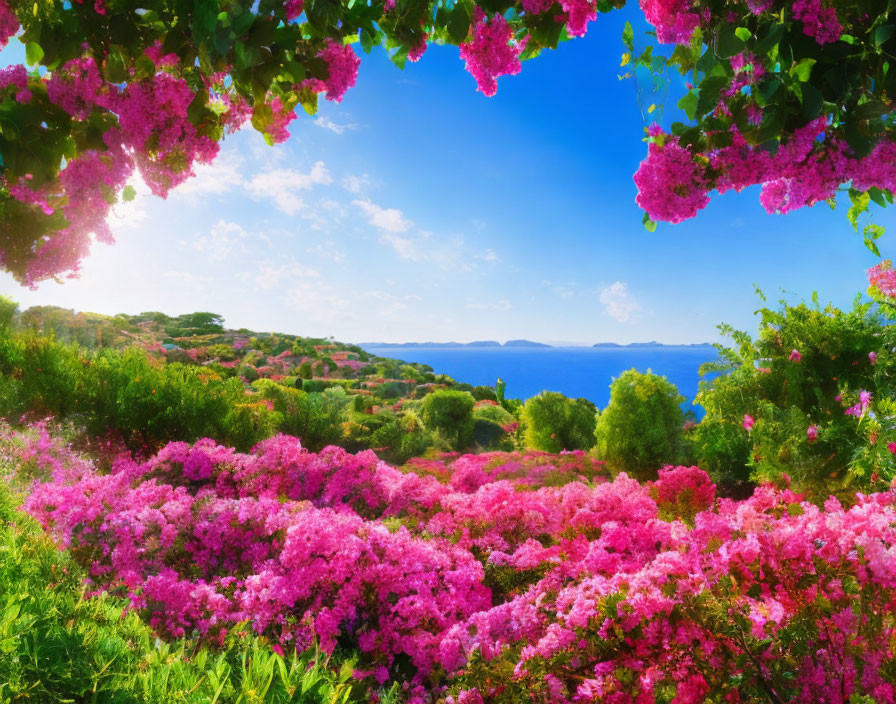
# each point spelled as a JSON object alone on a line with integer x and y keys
{"x": 683, "y": 492}
{"x": 491, "y": 587}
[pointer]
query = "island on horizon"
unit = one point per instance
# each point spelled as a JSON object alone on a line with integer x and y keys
{"x": 520, "y": 343}
{"x": 476, "y": 344}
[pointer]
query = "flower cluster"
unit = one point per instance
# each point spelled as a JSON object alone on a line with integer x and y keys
{"x": 584, "y": 589}
{"x": 9, "y": 23}
{"x": 491, "y": 52}
{"x": 882, "y": 279}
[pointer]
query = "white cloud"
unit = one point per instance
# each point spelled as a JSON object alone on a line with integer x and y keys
{"x": 316, "y": 301}
{"x": 356, "y": 184}
{"x": 405, "y": 247}
{"x": 388, "y": 219}
{"x": 620, "y": 304}
{"x": 214, "y": 179}
{"x": 488, "y": 255}
{"x": 328, "y": 124}
{"x": 268, "y": 275}
{"x": 221, "y": 240}
{"x": 328, "y": 249}
{"x": 503, "y": 304}
{"x": 281, "y": 186}
{"x": 187, "y": 282}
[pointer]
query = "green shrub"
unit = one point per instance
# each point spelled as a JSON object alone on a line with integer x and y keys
{"x": 802, "y": 371}
{"x": 553, "y": 422}
{"x": 449, "y": 412}
{"x": 642, "y": 428}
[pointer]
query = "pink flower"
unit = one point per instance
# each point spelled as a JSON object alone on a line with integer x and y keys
{"x": 872, "y": 357}
{"x": 293, "y": 9}
{"x": 9, "y": 23}
{"x": 812, "y": 433}
{"x": 671, "y": 186}
{"x": 675, "y": 20}
{"x": 748, "y": 422}
{"x": 342, "y": 64}
{"x": 892, "y": 448}
{"x": 491, "y": 52}
{"x": 882, "y": 277}
{"x": 795, "y": 356}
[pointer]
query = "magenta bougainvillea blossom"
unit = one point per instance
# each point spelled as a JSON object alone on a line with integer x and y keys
{"x": 623, "y": 590}
{"x": 491, "y": 51}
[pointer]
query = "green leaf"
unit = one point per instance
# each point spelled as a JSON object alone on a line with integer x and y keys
{"x": 872, "y": 231}
{"x": 33, "y": 53}
{"x": 860, "y": 201}
{"x": 872, "y": 245}
{"x": 242, "y": 23}
{"x": 367, "y": 41}
{"x": 881, "y": 34}
{"x": 728, "y": 45}
{"x": 848, "y": 38}
{"x": 743, "y": 34}
{"x": 400, "y": 57}
{"x": 459, "y": 23}
{"x": 813, "y": 101}
{"x": 878, "y": 196}
{"x": 628, "y": 36}
{"x": 769, "y": 40}
{"x": 649, "y": 225}
{"x": 710, "y": 91}
{"x": 128, "y": 194}
{"x": 802, "y": 70}
{"x": 688, "y": 103}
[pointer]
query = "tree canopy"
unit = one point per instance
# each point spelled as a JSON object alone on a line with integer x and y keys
{"x": 792, "y": 95}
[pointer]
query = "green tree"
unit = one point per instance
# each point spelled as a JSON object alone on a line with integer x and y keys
{"x": 642, "y": 428}
{"x": 451, "y": 413}
{"x": 8, "y": 308}
{"x": 553, "y": 422}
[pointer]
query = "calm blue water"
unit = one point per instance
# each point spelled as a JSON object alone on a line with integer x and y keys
{"x": 573, "y": 371}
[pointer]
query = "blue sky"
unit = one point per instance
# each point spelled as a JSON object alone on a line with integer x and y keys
{"x": 417, "y": 209}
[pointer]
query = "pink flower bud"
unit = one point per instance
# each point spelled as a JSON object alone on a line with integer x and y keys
{"x": 795, "y": 356}
{"x": 812, "y": 433}
{"x": 748, "y": 422}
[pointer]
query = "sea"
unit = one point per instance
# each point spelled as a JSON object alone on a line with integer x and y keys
{"x": 578, "y": 372}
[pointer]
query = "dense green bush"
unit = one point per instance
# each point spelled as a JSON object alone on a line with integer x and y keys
{"x": 642, "y": 428}
{"x": 553, "y": 422}
{"x": 804, "y": 369}
{"x": 450, "y": 413}
{"x": 316, "y": 418}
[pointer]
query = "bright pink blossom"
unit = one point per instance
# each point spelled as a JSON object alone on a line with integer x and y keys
{"x": 293, "y": 8}
{"x": 671, "y": 186}
{"x": 490, "y": 52}
{"x": 674, "y": 20}
{"x": 9, "y": 23}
